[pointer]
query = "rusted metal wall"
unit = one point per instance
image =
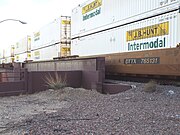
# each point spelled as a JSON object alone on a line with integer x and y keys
{"x": 164, "y": 62}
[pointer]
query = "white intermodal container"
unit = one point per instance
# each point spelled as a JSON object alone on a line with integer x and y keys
{"x": 55, "y": 32}
{"x": 1, "y": 53}
{"x": 22, "y": 57}
{"x": 23, "y": 45}
{"x": 22, "y": 50}
{"x": 8, "y": 54}
{"x": 1, "y": 56}
{"x": 1, "y": 60}
{"x": 46, "y": 53}
{"x": 157, "y": 32}
{"x": 52, "y": 40}
{"x": 97, "y": 15}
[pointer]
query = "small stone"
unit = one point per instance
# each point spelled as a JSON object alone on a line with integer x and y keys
{"x": 117, "y": 118}
{"x": 171, "y": 92}
{"x": 127, "y": 98}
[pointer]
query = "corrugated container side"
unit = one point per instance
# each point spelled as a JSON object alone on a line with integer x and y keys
{"x": 95, "y": 15}
{"x": 23, "y": 45}
{"x": 8, "y": 59}
{"x": 22, "y": 57}
{"x": 65, "y": 29}
{"x": 154, "y": 33}
{"x": 52, "y": 33}
{"x": 47, "y": 35}
{"x": 56, "y": 34}
{"x": 178, "y": 28}
{"x": 1, "y": 60}
{"x": 9, "y": 54}
{"x": 47, "y": 53}
{"x": 1, "y": 53}
{"x": 1, "y": 56}
{"x": 9, "y": 51}
{"x": 65, "y": 44}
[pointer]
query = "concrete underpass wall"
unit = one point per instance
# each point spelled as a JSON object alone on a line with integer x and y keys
{"x": 83, "y": 64}
{"x": 12, "y": 88}
{"x": 13, "y": 83}
{"x": 88, "y": 73}
{"x": 92, "y": 70}
{"x": 37, "y": 80}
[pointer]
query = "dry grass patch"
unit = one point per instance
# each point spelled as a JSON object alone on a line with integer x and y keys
{"x": 56, "y": 82}
{"x": 150, "y": 86}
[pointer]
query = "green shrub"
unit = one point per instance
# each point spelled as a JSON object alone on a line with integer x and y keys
{"x": 150, "y": 86}
{"x": 56, "y": 82}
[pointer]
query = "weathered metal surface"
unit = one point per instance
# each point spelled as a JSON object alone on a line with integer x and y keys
{"x": 158, "y": 32}
{"x": 95, "y": 15}
{"x": 168, "y": 63}
{"x": 85, "y": 64}
{"x": 22, "y": 50}
{"x": 52, "y": 40}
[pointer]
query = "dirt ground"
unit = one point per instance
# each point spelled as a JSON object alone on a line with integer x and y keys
{"x": 80, "y": 111}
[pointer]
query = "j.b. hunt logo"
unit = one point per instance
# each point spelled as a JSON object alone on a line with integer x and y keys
{"x": 150, "y": 32}
{"x": 92, "y": 9}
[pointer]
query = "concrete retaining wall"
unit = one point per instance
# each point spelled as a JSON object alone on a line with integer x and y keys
{"x": 37, "y": 80}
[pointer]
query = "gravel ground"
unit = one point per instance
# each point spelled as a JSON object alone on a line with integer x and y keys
{"x": 81, "y": 112}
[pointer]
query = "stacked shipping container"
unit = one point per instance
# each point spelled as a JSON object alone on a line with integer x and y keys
{"x": 8, "y": 54}
{"x": 22, "y": 50}
{"x": 1, "y": 56}
{"x": 104, "y": 27}
{"x": 52, "y": 40}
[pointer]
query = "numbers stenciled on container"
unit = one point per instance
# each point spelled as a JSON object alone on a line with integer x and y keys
{"x": 149, "y": 61}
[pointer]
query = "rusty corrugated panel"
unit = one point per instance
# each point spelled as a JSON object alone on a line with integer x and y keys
{"x": 154, "y": 62}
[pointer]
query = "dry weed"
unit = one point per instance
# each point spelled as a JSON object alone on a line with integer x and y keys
{"x": 150, "y": 86}
{"x": 56, "y": 82}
